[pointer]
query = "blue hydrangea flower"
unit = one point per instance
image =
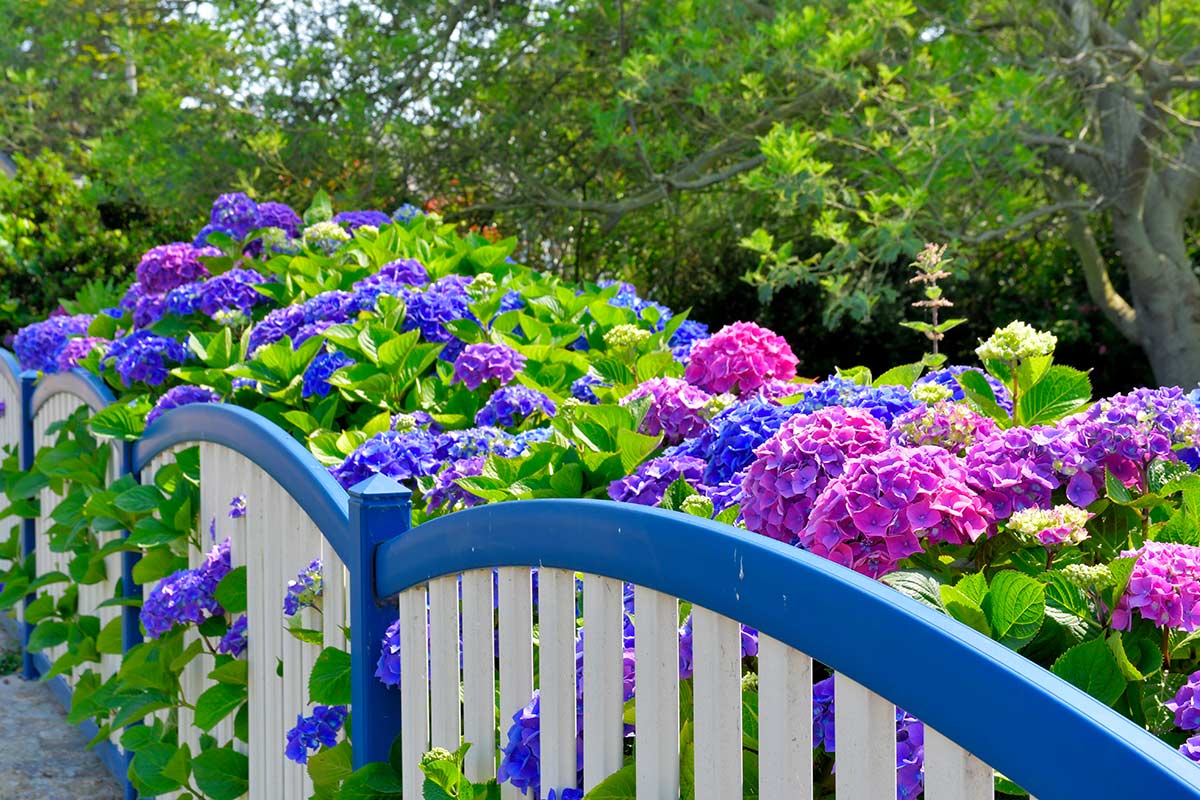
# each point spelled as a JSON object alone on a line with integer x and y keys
{"x": 407, "y": 213}
{"x": 313, "y": 732}
{"x": 144, "y": 356}
{"x": 728, "y": 443}
{"x": 948, "y": 377}
{"x": 279, "y": 215}
{"x": 402, "y": 456}
{"x": 237, "y": 507}
{"x": 235, "y": 214}
{"x": 316, "y": 376}
{"x": 183, "y": 300}
{"x": 37, "y": 346}
{"x": 187, "y": 597}
{"x": 470, "y": 442}
{"x": 357, "y": 219}
{"x": 687, "y": 334}
{"x": 647, "y": 485}
{"x": 446, "y": 493}
{"x": 181, "y": 396}
{"x": 582, "y": 389}
{"x": 306, "y": 589}
{"x": 231, "y": 291}
{"x": 885, "y": 403}
{"x": 510, "y": 405}
{"x": 234, "y": 641}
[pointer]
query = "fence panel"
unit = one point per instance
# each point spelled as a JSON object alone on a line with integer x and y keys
{"x": 10, "y": 442}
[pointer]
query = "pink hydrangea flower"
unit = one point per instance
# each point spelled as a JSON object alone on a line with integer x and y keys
{"x": 1164, "y": 587}
{"x": 793, "y": 467}
{"x": 676, "y": 408}
{"x": 884, "y": 504}
{"x": 740, "y": 357}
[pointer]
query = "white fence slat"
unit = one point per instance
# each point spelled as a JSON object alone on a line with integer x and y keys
{"x": 479, "y": 674}
{"x": 865, "y": 730}
{"x": 414, "y": 687}
{"x": 785, "y": 749}
{"x": 289, "y": 540}
{"x": 556, "y": 616}
{"x": 603, "y": 679}
{"x": 656, "y": 647}
{"x": 516, "y": 650}
{"x": 261, "y": 668}
{"x": 444, "y": 706}
{"x": 717, "y": 681}
{"x": 951, "y": 773}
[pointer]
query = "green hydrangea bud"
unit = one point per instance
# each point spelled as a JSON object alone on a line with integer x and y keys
{"x": 625, "y": 337}
{"x": 275, "y": 240}
{"x": 718, "y": 403}
{"x": 435, "y": 755}
{"x": 1016, "y": 341}
{"x": 750, "y": 682}
{"x": 1097, "y": 576}
{"x": 930, "y": 392}
{"x": 698, "y": 506}
{"x": 403, "y": 423}
{"x": 369, "y": 230}
{"x": 325, "y": 236}
{"x": 482, "y": 286}
{"x": 231, "y": 318}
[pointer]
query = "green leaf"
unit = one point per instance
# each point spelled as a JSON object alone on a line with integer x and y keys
{"x": 917, "y": 584}
{"x": 980, "y": 396}
{"x": 1092, "y": 667}
{"x": 216, "y": 703}
{"x": 1115, "y": 490}
{"x": 1060, "y": 392}
{"x": 1015, "y": 606}
{"x": 1131, "y": 672}
{"x": 321, "y": 209}
{"x": 904, "y": 375}
{"x": 109, "y": 640}
{"x": 974, "y": 586}
{"x": 372, "y": 782}
{"x": 222, "y": 773}
{"x": 329, "y": 682}
{"x": 139, "y": 499}
{"x": 621, "y": 785}
{"x": 330, "y": 767}
{"x": 120, "y": 421}
{"x": 233, "y": 672}
{"x": 148, "y": 767}
{"x": 964, "y": 609}
{"x": 179, "y": 768}
{"x": 231, "y": 591}
{"x": 48, "y": 633}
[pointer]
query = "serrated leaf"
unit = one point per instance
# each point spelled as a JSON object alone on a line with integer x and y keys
{"x": 216, "y": 703}
{"x": 1015, "y": 606}
{"x": 1060, "y": 392}
{"x": 329, "y": 682}
{"x": 964, "y": 609}
{"x": 1092, "y": 667}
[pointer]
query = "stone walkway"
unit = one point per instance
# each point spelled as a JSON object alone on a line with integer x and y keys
{"x": 41, "y": 755}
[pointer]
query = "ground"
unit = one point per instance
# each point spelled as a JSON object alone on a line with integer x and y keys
{"x": 41, "y": 755}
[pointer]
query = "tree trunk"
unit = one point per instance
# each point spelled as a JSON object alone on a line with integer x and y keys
{"x": 1164, "y": 288}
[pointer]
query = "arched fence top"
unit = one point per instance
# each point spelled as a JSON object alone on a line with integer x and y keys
{"x": 927, "y": 663}
{"x": 87, "y": 387}
{"x": 268, "y": 446}
{"x": 10, "y": 368}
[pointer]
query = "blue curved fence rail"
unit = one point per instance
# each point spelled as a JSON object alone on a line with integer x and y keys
{"x": 1040, "y": 731}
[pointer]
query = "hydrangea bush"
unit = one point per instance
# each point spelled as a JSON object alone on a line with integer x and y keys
{"x": 998, "y": 493}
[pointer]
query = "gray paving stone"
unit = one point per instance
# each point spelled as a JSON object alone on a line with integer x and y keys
{"x": 41, "y": 755}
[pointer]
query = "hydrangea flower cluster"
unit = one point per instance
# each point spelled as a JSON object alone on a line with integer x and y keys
{"x": 471, "y": 442}
{"x": 948, "y": 378}
{"x": 879, "y": 509}
{"x": 740, "y": 358}
{"x": 233, "y": 643}
{"x": 299, "y": 322}
{"x": 511, "y": 405}
{"x": 1051, "y": 527}
{"x": 235, "y": 214}
{"x": 354, "y": 220}
{"x": 793, "y": 467}
{"x": 428, "y": 311}
{"x": 583, "y": 388}
{"x": 884, "y": 402}
{"x": 306, "y": 589}
{"x": 237, "y": 507}
{"x": 144, "y": 356}
{"x": 325, "y": 236}
{"x": 280, "y": 216}
{"x": 479, "y": 363}
{"x": 187, "y": 597}
{"x": 1016, "y": 341}
{"x": 647, "y": 485}
{"x": 313, "y": 732}
{"x": 316, "y": 376}
{"x": 402, "y": 456}
{"x": 76, "y": 350}
{"x": 1014, "y": 469}
{"x": 38, "y": 345}
{"x": 685, "y": 337}
{"x": 677, "y": 409}
{"x": 625, "y": 337}
{"x": 1186, "y": 704}
{"x": 1163, "y": 589}
{"x": 178, "y": 396}
{"x": 950, "y": 426}
{"x": 729, "y": 442}
{"x": 164, "y": 267}
{"x": 1123, "y": 434}
{"x": 230, "y": 291}
{"x": 446, "y": 493}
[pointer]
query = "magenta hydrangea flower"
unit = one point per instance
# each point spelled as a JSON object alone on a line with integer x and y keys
{"x": 740, "y": 357}
{"x": 1186, "y": 704}
{"x": 776, "y": 389}
{"x": 881, "y": 507}
{"x": 1164, "y": 587}
{"x": 1014, "y": 469}
{"x": 482, "y": 362}
{"x": 676, "y": 408}
{"x": 951, "y": 426}
{"x": 164, "y": 267}
{"x": 793, "y": 467}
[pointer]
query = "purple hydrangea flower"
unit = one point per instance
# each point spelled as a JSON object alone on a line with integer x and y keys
{"x": 234, "y": 641}
{"x": 237, "y": 507}
{"x": 471, "y": 442}
{"x": 740, "y": 358}
{"x": 1186, "y": 704}
{"x": 306, "y": 589}
{"x": 354, "y": 220}
{"x": 313, "y": 732}
{"x": 187, "y": 597}
{"x": 882, "y": 505}
{"x": 728, "y": 443}
{"x": 402, "y": 456}
{"x": 793, "y": 467}
{"x": 510, "y": 405}
{"x": 145, "y": 308}
{"x": 231, "y": 291}
{"x": 479, "y": 363}
{"x": 1163, "y": 589}
{"x": 1014, "y": 469}
{"x": 1190, "y": 749}
{"x": 144, "y": 356}
{"x": 582, "y": 389}
{"x": 164, "y": 267}
{"x": 181, "y": 396}
{"x": 38, "y": 345}
{"x": 677, "y": 409}
{"x": 76, "y": 350}
{"x": 446, "y": 493}
{"x": 428, "y": 311}
{"x": 884, "y": 402}
{"x": 235, "y": 213}
{"x": 279, "y": 215}
{"x": 316, "y": 376}
{"x": 649, "y": 482}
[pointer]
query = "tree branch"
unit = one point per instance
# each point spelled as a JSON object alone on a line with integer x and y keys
{"x": 1181, "y": 183}
{"x": 1116, "y": 308}
{"x": 1026, "y": 218}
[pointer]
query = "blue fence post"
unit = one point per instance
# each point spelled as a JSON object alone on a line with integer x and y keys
{"x": 380, "y": 509}
{"x": 28, "y": 526}
{"x": 131, "y": 631}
